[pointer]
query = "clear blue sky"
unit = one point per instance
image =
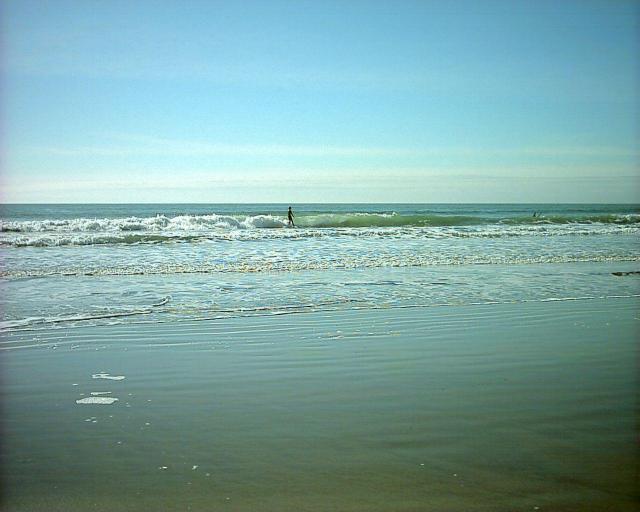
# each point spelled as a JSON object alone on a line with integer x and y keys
{"x": 320, "y": 101}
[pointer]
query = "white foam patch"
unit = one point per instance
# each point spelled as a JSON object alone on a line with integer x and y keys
{"x": 107, "y": 376}
{"x": 98, "y": 393}
{"x": 99, "y": 400}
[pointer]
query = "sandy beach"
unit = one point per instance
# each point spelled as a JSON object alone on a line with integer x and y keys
{"x": 488, "y": 408}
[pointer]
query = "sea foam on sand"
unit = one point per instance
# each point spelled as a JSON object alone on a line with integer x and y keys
{"x": 99, "y": 400}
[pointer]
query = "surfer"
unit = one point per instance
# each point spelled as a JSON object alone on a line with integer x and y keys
{"x": 290, "y": 216}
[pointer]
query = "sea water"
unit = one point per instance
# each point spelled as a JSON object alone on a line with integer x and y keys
{"x": 96, "y": 264}
{"x": 374, "y": 357}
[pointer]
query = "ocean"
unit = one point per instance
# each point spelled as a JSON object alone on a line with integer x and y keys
{"x": 129, "y": 263}
{"x": 375, "y": 358}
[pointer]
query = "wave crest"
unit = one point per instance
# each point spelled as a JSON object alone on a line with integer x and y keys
{"x": 194, "y": 228}
{"x": 321, "y": 220}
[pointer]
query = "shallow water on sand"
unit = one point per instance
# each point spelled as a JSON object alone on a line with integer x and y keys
{"x": 60, "y": 301}
{"x": 523, "y": 406}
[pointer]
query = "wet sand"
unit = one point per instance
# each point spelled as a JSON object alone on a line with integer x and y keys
{"x": 528, "y": 406}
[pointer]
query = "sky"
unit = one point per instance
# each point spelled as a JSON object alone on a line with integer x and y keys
{"x": 308, "y": 101}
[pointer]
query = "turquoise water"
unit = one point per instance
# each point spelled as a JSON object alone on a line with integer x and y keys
{"x": 130, "y": 263}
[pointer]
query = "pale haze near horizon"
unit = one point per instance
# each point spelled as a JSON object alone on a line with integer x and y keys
{"x": 320, "y": 102}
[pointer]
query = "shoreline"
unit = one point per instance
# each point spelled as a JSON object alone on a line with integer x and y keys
{"x": 163, "y": 298}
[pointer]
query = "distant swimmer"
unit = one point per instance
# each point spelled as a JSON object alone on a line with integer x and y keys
{"x": 535, "y": 214}
{"x": 290, "y": 215}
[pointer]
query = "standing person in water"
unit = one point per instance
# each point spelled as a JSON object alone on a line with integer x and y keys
{"x": 290, "y": 215}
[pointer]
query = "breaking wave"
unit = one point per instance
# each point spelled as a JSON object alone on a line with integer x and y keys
{"x": 195, "y": 228}
{"x": 157, "y": 223}
{"x": 324, "y": 220}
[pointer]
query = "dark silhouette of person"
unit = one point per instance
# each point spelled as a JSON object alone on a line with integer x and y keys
{"x": 290, "y": 216}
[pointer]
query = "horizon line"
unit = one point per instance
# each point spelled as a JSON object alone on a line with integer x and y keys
{"x": 329, "y": 202}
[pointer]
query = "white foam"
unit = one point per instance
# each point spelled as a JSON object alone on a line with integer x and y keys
{"x": 98, "y": 393}
{"x": 98, "y": 400}
{"x": 107, "y": 376}
{"x": 201, "y": 228}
